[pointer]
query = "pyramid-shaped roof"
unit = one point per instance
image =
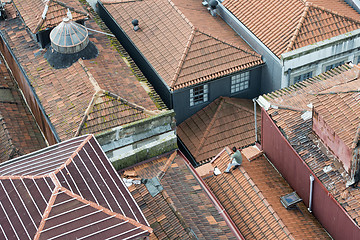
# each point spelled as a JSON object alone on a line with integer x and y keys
{"x": 68, "y": 190}
{"x": 183, "y": 42}
{"x": 224, "y": 122}
{"x": 42, "y": 14}
{"x": 285, "y": 25}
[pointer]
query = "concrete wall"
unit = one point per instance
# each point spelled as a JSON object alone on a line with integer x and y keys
{"x": 130, "y": 144}
{"x": 332, "y": 141}
{"x": 216, "y": 88}
{"x": 296, "y": 172}
{"x": 316, "y": 57}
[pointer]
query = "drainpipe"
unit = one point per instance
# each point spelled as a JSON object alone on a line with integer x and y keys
{"x": 311, "y": 191}
{"x": 256, "y": 137}
{"x": 288, "y": 75}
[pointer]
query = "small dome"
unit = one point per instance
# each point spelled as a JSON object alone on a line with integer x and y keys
{"x": 69, "y": 37}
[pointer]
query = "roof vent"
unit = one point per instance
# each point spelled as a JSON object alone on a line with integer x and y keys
{"x": 69, "y": 37}
{"x": 212, "y": 7}
{"x": 135, "y": 22}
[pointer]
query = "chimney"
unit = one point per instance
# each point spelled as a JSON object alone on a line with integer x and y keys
{"x": 135, "y": 23}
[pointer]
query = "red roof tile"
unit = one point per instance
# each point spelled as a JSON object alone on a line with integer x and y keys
{"x": 284, "y": 25}
{"x": 182, "y": 49}
{"x": 251, "y": 195}
{"x": 60, "y": 191}
{"x": 224, "y": 122}
{"x": 33, "y": 11}
{"x": 179, "y": 210}
{"x": 288, "y": 117}
{"x": 73, "y": 97}
{"x": 19, "y": 133}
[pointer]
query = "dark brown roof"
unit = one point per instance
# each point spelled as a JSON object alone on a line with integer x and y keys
{"x": 19, "y": 133}
{"x": 182, "y": 41}
{"x": 292, "y": 102}
{"x": 285, "y": 25}
{"x": 33, "y": 11}
{"x": 90, "y": 96}
{"x": 251, "y": 196}
{"x": 182, "y": 209}
{"x": 67, "y": 190}
{"x": 224, "y": 122}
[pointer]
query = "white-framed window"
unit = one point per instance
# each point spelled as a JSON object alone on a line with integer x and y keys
{"x": 302, "y": 77}
{"x": 199, "y": 94}
{"x": 240, "y": 82}
{"x": 334, "y": 65}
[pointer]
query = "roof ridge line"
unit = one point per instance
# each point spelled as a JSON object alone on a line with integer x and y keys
{"x": 23, "y": 177}
{"x": 170, "y": 160}
{"x": 181, "y": 14}
{"x": 70, "y": 159}
{"x": 230, "y": 44}
{"x": 238, "y": 105}
{"x": 298, "y": 26}
{"x": 356, "y": 138}
{"x": 95, "y": 96}
{"x": 8, "y": 135}
{"x": 183, "y": 56}
{"x": 334, "y": 12}
{"x": 134, "y": 105}
{"x": 207, "y": 130}
{"x": 46, "y": 212}
{"x": 106, "y": 211}
{"x": 71, "y": 8}
{"x": 225, "y": 149}
{"x": 92, "y": 80}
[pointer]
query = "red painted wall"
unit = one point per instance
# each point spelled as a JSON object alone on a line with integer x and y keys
{"x": 324, "y": 207}
{"x": 332, "y": 141}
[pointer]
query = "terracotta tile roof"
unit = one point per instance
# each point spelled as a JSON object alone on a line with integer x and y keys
{"x": 182, "y": 49}
{"x": 224, "y": 122}
{"x": 284, "y": 25}
{"x": 341, "y": 110}
{"x": 32, "y": 12}
{"x": 182, "y": 209}
{"x": 292, "y": 102}
{"x": 251, "y": 196}
{"x": 89, "y": 96}
{"x": 60, "y": 191}
{"x": 19, "y": 133}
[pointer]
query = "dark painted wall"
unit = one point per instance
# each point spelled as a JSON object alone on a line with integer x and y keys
{"x": 217, "y": 88}
{"x": 29, "y": 93}
{"x": 179, "y": 100}
{"x": 146, "y": 68}
{"x": 296, "y": 172}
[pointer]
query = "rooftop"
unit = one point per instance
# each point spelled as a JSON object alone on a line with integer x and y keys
{"x": 60, "y": 191}
{"x": 338, "y": 89}
{"x": 19, "y": 133}
{"x": 285, "y": 25}
{"x": 251, "y": 195}
{"x": 224, "y": 122}
{"x": 182, "y": 41}
{"x": 90, "y": 96}
{"x": 42, "y": 15}
{"x": 182, "y": 209}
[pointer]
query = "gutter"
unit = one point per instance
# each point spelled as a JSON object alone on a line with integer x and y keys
{"x": 256, "y": 136}
{"x": 52, "y": 128}
{"x": 214, "y": 200}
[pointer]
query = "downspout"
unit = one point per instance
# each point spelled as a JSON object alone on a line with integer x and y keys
{"x": 214, "y": 200}
{"x": 288, "y": 75}
{"x": 311, "y": 191}
{"x": 256, "y": 136}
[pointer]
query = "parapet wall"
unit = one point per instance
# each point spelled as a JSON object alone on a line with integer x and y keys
{"x": 138, "y": 141}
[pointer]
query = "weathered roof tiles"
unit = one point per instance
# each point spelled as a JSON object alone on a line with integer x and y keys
{"x": 284, "y": 25}
{"x": 182, "y": 41}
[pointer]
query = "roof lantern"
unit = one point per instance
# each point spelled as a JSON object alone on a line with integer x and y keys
{"x": 69, "y": 37}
